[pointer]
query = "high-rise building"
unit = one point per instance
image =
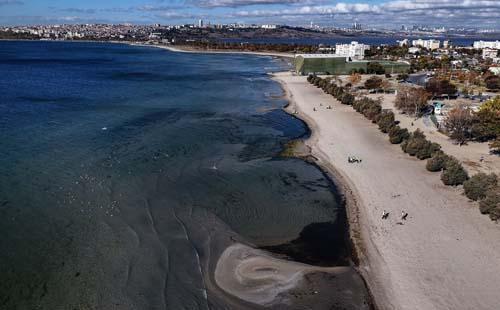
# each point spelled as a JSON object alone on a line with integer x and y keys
{"x": 356, "y": 26}
{"x": 200, "y": 23}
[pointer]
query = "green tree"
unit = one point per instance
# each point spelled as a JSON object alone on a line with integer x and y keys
{"x": 454, "y": 174}
{"x": 375, "y": 68}
{"x": 411, "y": 100}
{"x": 476, "y": 187}
{"x": 459, "y": 122}
{"x": 438, "y": 87}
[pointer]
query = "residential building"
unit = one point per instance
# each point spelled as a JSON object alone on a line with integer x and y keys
{"x": 487, "y": 44}
{"x": 490, "y": 53}
{"x": 429, "y": 44}
{"x": 354, "y": 50}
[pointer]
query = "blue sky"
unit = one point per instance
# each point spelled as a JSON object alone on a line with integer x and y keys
{"x": 379, "y": 13}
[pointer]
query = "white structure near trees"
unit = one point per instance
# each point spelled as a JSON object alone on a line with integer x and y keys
{"x": 354, "y": 50}
{"x": 429, "y": 44}
{"x": 490, "y": 53}
{"x": 487, "y": 44}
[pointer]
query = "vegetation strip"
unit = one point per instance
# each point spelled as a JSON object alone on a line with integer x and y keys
{"x": 480, "y": 187}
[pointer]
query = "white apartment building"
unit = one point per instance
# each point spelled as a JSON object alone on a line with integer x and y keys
{"x": 490, "y": 53}
{"x": 354, "y": 50}
{"x": 487, "y": 44}
{"x": 429, "y": 44}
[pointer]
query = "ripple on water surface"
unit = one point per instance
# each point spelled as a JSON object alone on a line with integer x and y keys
{"x": 133, "y": 217}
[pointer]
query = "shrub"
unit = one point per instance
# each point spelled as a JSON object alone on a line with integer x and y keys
{"x": 375, "y": 68}
{"x": 454, "y": 174}
{"x": 491, "y": 204}
{"x": 347, "y": 99}
{"x": 386, "y": 121}
{"x": 417, "y": 145}
{"x": 476, "y": 187}
{"x": 397, "y": 134}
{"x": 373, "y": 83}
{"x": 362, "y": 104}
{"x": 427, "y": 150}
{"x": 372, "y": 110}
{"x": 492, "y": 82}
{"x": 437, "y": 162}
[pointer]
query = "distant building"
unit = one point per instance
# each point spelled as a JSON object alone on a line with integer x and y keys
{"x": 333, "y": 64}
{"x": 269, "y": 26}
{"x": 403, "y": 42}
{"x": 487, "y": 44}
{"x": 446, "y": 44}
{"x": 356, "y": 26}
{"x": 490, "y": 53}
{"x": 154, "y": 36}
{"x": 413, "y": 50}
{"x": 429, "y": 44}
{"x": 354, "y": 50}
{"x": 200, "y": 23}
{"x": 495, "y": 70}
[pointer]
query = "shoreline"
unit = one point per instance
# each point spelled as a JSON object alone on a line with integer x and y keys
{"x": 441, "y": 257}
{"x": 345, "y": 189}
{"x": 185, "y": 49}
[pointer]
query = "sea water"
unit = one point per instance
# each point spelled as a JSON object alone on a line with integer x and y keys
{"x": 113, "y": 156}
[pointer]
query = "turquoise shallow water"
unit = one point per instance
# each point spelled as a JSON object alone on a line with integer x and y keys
{"x": 113, "y": 157}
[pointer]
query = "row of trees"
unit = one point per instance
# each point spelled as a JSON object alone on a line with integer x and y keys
{"x": 416, "y": 144}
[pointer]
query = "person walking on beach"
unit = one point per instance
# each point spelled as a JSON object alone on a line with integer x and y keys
{"x": 385, "y": 215}
{"x": 404, "y": 215}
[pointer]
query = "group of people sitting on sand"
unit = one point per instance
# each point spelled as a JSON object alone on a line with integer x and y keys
{"x": 353, "y": 159}
{"x": 328, "y": 107}
{"x": 404, "y": 215}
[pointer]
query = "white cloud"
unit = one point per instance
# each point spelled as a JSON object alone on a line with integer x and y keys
{"x": 424, "y": 11}
{"x": 239, "y": 3}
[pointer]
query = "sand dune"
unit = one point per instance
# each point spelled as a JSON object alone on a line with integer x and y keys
{"x": 445, "y": 256}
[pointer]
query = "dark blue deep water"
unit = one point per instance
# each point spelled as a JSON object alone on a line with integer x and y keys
{"x": 121, "y": 167}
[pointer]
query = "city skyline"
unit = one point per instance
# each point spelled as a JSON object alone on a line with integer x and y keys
{"x": 373, "y": 13}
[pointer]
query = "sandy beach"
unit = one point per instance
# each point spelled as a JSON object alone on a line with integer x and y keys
{"x": 445, "y": 256}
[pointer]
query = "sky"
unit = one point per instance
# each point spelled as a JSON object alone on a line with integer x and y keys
{"x": 483, "y": 14}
